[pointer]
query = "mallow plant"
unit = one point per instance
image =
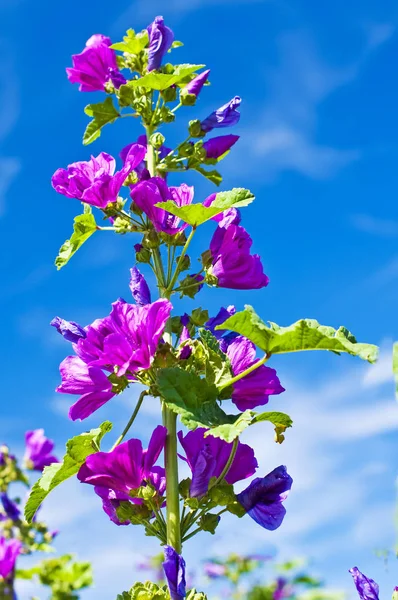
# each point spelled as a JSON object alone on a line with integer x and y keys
{"x": 191, "y": 366}
{"x": 62, "y": 575}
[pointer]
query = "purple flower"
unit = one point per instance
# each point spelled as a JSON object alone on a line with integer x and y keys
{"x": 207, "y": 457}
{"x": 366, "y": 587}
{"x": 95, "y": 181}
{"x": 141, "y": 169}
{"x": 225, "y": 116}
{"x": 38, "y": 450}
{"x": 9, "y": 552}
{"x": 123, "y": 343}
{"x": 194, "y": 87}
{"x": 218, "y": 146}
{"x": 95, "y": 66}
{"x": 283, "y": 589}
{"x": 253, "y": 389}
{"x": 89, "y": 382}
{"x": 263, "y": 498}
{"x": 224, "y": 338}
{"x": 114, "y": 474}
{"x": 214, "y": 570}
{"x": 139, "y": 287}
{"x": 70, "y": 330}
{"x": 232, "y": 264}
{"x": 146, "y": 194}
{"x": 174, "y": 570}
{"x": 11, "y": 510}
{"x": 185, "y": 335}
{"x": 160, "y": 40}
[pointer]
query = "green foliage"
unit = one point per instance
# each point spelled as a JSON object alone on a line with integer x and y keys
{"x": 281, "y": 421}
{"x": 83, "y": 227}
{"x": 209, "y": 522}
{"x": 196, "y": 214}
{"x": 132, "y": 42}
{"x": 306, "y": 334}
{"x": 101, "y": 113}
{"x": 145, "y": 591}
{"x": 77, "y": 450}
{"x": 162, "y": 81}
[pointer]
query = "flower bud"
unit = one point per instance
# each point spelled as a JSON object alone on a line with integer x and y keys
{"x": 185, "y": 263}
{"x": 186, "y": 98}
{"x": 195, "y": 129}
{"x": 169, "y": 94}
{"x": 199, "y": 317}
{"x": 151, "y": 239}
{"x": 142, "y": 254}
{"x": 157, "y": 140}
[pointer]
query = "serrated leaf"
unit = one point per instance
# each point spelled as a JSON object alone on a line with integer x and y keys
{"x": 77, "y": 450}
{"x": 196, "y": 214}
{"x": 395, "y": 366}
{"x": 162, "y": 81}
{"x": 306, "y": 334}
{"x": 214, "y": 176}
{"x": 133, "y": 42}
{"x": 194, "y": 399}
{"x": 281, "y": 422}
{"x": 83, "y": 227}
{"x": 102, "y": 113}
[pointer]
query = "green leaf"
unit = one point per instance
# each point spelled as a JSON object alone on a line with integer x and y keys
{"x": 194, "y": 399}
{"x": 306, "y": 334}
{"x": 102, "y": 113}
{"x": 209, "y": 522}
{"x": 196, "y": 214}
{"x": 83, "y": 227}
{"x": 133, "y": 42}
{"x": 77, "y": 450}
{"x": 214, "y": 176}
{"x": 395, "y": 365}
{"x": 162, "y": 81}
{"x": 281, "y": 421}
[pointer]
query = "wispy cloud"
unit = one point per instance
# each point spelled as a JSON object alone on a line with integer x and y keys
{"x": 375, "y": 225}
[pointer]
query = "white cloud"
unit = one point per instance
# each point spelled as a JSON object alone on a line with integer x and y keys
{"x": 375, "y": 225}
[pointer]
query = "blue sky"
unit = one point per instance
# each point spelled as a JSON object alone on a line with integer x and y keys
{"x": 319, "y": 149}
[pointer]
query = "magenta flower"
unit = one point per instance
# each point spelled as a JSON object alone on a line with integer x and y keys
{"x": 207, "y": 457}
{"x": 174, "y": 570}
{"x": 160, "y": 40}
{"x": 114, "y": 474}
{"x": 141, "y": 169}
{"x": 10, "y": 508}
{"x": 224, "y": 337}
{"x": 232, "y": 264}
{"x": 225, "y": 116}
{"x": 89, "y": 382}
{"x": 366, "y": 587}
{"x": 146, "y": 194}
{"x": 218, "y": 146}
{"x": 139, "y": 287}
{"x": 95, "y": 66}
{"x": 9, "y": 552}
{"x": 253, "y": 389}
{"x": 38, "y": 453}
{"x": 195, "y": 86}
{"x": 263, "y": 498}
{"x": 95, "y": 181}
{"x": 70, "y": 330}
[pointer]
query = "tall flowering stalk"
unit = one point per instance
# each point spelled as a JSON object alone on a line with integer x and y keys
{"x": 192, "y": 363}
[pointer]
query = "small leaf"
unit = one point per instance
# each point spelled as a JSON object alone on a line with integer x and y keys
{"x": 281, "y": 421}
{"x": 77, "y": 450}
{"x": 196, "y": 214}
{"x": 306, "y": 334}
{"x": 83, "y": 227}
{"x": 209, "y": 522}
{"x": 102, "y": 113}
{"x": 214, "y": 176}
{"x": 133, "y": 42}
{"x": 162, "y": 81}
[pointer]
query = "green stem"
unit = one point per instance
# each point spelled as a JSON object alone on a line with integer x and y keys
{"x": 195, "y": 531}
{"x": 106, "y": 228}
{"x": 176, "y": 107}
{"x": 132, "y": 419}
{"x": 177, "y": 270}
{"x": 172, "y": 491}
{"x": 228, "y": 464}
{"x": 245, "y": 372}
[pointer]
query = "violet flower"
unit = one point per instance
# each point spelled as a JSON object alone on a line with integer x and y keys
{"x": 95, "y": 66}
{"x": 114, "y": 474}
{"x": 366, "y": 587}
{"x": 141, "y": 169}
{"x": 139, "y": 287}
{"x": 11, "y": 510}
{"x": 146, "y": 194}
{"x": 70, "y": 330}
{"x": 232, "y": 264}
{"x": 225, "y": 116}
{"x": 263, "y": 498}
{"x": 9, "y": 552}
{"x": 224, "y": 337}
{"x": 214, "y": 570}
{"x": 174, "y": 570}
{"x": 39, "y": 449}
{"x": 253, "y": 389}
{"x": 95, "y": 181}
{"x": 207, "y": 457}
{"x": 160, "y": 40}
{"x": 195, "y": 85}
{"x": 218, "y": 146}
